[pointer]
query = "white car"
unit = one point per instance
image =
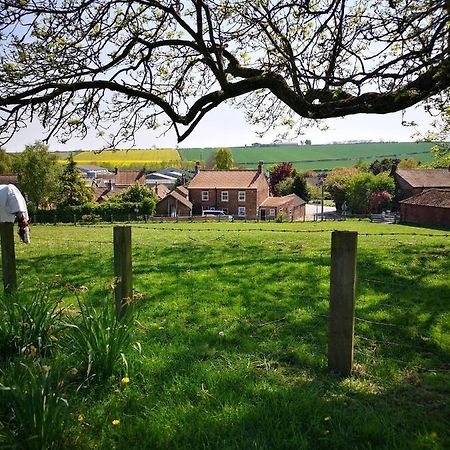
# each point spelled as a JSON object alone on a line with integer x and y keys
{"x": 217, "y": 213}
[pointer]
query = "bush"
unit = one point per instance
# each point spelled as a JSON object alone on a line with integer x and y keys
{"x": 98, "y": 339}
{"x": 90, "y": 218}
{"x": 28, "y": 326}
{"x": 33, "y": 412}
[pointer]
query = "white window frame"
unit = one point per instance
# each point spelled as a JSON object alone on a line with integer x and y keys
{"x": 224, "y": 196}
{"x": 241, "y": 196}
{"x": 205, "y": 196}
{"x": 272, "y": 212}
{"x": 242, "y": 211}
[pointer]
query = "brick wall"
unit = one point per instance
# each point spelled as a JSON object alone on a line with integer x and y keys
{"x": 231, "y": 206}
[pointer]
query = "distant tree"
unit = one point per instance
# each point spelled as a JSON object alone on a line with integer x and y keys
{"x": 73, "y": 190}
{"x": 284, "y": 187}
{"x": 385, "y": 165}
{"x": 223, "y": 159}
{"x": 441, "y": 154}
{"x": 300, "y": 187}
{"x": 137, "y": 193}
{"x": 408, "y": 163}
{"x": 359, "y": 188}
{"x": 5, "y": 162}
{"x": 336, "y": 183}
{"x": 38, "y": 172}
{"x": 379, "y": 201}
{"x": 278, "y": 173}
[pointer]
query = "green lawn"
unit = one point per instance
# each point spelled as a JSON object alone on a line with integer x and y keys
{"x": 230, "y": 337}
{"x": 319, "y": 156}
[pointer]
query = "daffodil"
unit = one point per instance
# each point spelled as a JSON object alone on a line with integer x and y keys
{"x": 125, "y": 380}
{"x": 116, "y": 422}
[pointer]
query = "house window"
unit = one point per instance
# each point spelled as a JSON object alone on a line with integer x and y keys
{"x": 224, "y": 196}
{"x": 241, "y": 196}
{"x": 205, "y": 196}
{"x": 272, "y": 212}
{"x": 241, "y": 211}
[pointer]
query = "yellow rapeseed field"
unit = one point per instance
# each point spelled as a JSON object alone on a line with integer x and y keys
{"x": 121, "y": 158}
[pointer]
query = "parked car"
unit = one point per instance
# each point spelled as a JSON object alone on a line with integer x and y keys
{"x": 217, "y": 213}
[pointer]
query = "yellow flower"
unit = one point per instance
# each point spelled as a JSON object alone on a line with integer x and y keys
{"x": 116, "y": 422}
{"x": 125, "y": 380}
{"x": 80, "y": 418}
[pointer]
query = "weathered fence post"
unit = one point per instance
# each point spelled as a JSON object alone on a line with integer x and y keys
{"x": 122, "y": 268}
{"x": 342, "y": 301}
{"x": 8, "y": 257}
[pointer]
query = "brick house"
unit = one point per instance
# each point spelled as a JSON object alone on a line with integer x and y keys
{"x": 236, "y": 192}
{"x": 289, "y": 207}
{"x": 410, "y": 182}
{"x": 430, "y": 207}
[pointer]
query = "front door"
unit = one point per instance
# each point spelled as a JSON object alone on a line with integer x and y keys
{"x": 263, "y": 214}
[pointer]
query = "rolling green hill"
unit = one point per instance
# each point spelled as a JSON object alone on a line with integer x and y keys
{"x": 319, "y": 156}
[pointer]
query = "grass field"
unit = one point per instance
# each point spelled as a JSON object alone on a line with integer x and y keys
{"x": 124, "y": 159}
{"x": 319, "y": 156}
{"x": 232, "y": 333}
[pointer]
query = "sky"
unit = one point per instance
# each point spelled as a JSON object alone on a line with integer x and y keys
{"x": 226, "y": 127}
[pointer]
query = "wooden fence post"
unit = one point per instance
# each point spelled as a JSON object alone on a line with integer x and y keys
{"x": 342, "y": 301}
{"x": 122, "y": 268}
{"x": 8, "y": 257}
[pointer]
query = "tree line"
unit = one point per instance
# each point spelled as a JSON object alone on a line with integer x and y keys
{"x": 50, "y": 186}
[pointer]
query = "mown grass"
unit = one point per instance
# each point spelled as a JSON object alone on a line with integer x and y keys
{"x": 230, "y": 340}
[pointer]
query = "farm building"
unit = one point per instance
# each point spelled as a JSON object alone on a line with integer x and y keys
{"x": 91, "y": 171}
{"x": 413, "y": 181}
{"x": 235, "y": 192}
{"x": 289, "y": 207}
{"x": 174, "y": 204}
{"x": 430, "y": 207}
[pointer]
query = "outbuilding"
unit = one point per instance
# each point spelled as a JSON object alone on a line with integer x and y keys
{"x": 430, "y": 207}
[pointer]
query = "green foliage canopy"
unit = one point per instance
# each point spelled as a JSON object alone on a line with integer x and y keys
{"x": 224, "y": 159}
{"x": 39, "y": 173}
{"x": 73, "y": 190}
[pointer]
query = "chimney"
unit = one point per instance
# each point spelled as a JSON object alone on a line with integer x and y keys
{"x": 260, "y": 167}
{"x": 197, "y": 167}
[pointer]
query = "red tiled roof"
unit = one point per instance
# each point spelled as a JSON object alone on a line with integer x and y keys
{"x": 178, "y": 197}
{"x": 129, "y": 178}
{"x": 438, "y": 198}
{"x": 273, "y": 202}
{"x": 225, "y": 179}
{"x": 182, "y": 190}
{"x": 426, "y": 178}
{"x": 161, "y": 190}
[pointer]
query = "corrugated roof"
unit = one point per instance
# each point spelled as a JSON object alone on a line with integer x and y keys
{"x": 427, "y": 178}
{"x": 272, "y": 202}
{"x": 438, "y": 198}
{"x": 225, "y": 179}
